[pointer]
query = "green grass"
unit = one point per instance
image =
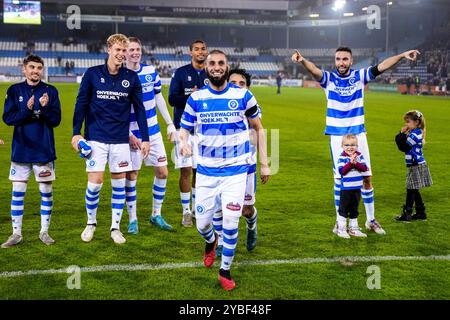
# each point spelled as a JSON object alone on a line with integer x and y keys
{"x": 296, "y": 215}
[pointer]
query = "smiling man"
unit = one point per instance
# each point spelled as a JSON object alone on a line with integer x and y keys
{"x": 33, "y": 108}
{"x": 344, "y": 89}
{"x": 106, "y": 95}
{"x": 220, "y": 114}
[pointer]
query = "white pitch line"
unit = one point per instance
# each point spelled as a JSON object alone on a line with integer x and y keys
{"x": 172, "y": 266}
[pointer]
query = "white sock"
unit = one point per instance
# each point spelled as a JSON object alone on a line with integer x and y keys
{"x": 117, "y": 201}
{"x": 185, "y": 199}
{"x": 217, "y": 224}
{"x": 369, "y": 203}
{"x": 251, "y": 222}
{"x": 17, "y": 205}
{"x": 92, "y": 198}
{"x": 46, "y": 205}
{"x": 353, "y": 223}
{"x": 230, "y": 237}
{"x": 205, "y": 228}
{"x": 131, "y": 200}
{"x": 342, "y": 222}
{"x": 159, "y": 191}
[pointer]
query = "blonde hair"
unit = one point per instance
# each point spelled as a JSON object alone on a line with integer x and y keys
{"x": 117, "y": 38}
{"x": 350, "y": 136}
{"x": 416, "y": 115}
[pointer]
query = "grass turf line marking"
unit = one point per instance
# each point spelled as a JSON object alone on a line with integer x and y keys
{"x": 171, "y": 266}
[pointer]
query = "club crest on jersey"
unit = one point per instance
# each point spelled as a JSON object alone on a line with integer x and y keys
{"x": 45, "y": 173}
{"x": 206, "y": 82}
{"x": 200, "y": 209}
{"x": 352, "y": 81}
{"x": 205, "y": 105}
{"x": 234, "y": 206}
{"x": 149, "y": 78}
{"x": 123, "y": 164}
{"x": 102, "y": 80}
{"x": 125, "y": 83}
{"x": 20, "y": 99}
{"x": 233, "y": 104}
{"x": 189, "y": 78}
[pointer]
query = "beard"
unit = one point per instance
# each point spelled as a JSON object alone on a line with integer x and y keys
{"x": 345, "y": 71}
{"x": 34, "y": 80}
{"x": 218, "y": 82}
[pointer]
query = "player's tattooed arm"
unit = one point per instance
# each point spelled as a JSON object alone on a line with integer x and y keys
{"x": 309, "y": 66}
{"x": 392, "y": 61}
{"x": 261, "y": 143}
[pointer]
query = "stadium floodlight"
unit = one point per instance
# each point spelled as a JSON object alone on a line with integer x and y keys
{"x": 314, "y": 15}
{"x": 348, "y": 14}
{"x": 338, "y": 5}
{"x": 390, "y": 3}
{"x": 364, "y": 9}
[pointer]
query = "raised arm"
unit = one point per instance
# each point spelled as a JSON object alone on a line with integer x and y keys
{"x": 392, "y": 61}
{"x": 309, "y": 66}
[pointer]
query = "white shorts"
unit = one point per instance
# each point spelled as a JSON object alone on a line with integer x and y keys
{"x": 116, "y": 155}
{"x": 185, "y": 162}
{"x": 336, "y": 150}
{"x": 250, "y": 190}
{"x": 213, "y": 194}
{"x": 156, "y": 158}
{"x": 43, "y": 172}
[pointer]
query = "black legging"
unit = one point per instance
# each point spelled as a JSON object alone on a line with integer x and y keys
{"x": 413, "y": 195}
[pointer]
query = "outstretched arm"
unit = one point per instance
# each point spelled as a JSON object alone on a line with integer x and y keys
{"x": 309, "y": 66}
{"x": 392, "y": 61}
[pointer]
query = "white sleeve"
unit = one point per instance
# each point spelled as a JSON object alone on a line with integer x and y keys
{"x": 162, "y": 107}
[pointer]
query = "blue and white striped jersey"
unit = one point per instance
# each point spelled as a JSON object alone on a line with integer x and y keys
{"x": 151, "y": 85}
{"x": 345, "y": 96}
{"x": 353, "y": 179}
{"x": 415, "y": 155}
{"x": 220, "y": 122}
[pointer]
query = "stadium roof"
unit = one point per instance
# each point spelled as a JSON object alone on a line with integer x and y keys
{"x": 281, "y": 5}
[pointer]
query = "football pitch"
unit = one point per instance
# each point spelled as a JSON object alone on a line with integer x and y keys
{"x": 297, "y": 256}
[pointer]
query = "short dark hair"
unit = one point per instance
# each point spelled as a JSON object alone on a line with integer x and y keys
{"x": 244, "y": 73}
{"x": 191, "y": 46}
{"x": 345, "y": 49}
{"x": 33, "y": 58}
{"x": 135, "y": 39}
{"x": 217, "y": 51}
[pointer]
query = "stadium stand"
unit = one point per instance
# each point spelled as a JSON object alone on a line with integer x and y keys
{"x": 259, "y": 63}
